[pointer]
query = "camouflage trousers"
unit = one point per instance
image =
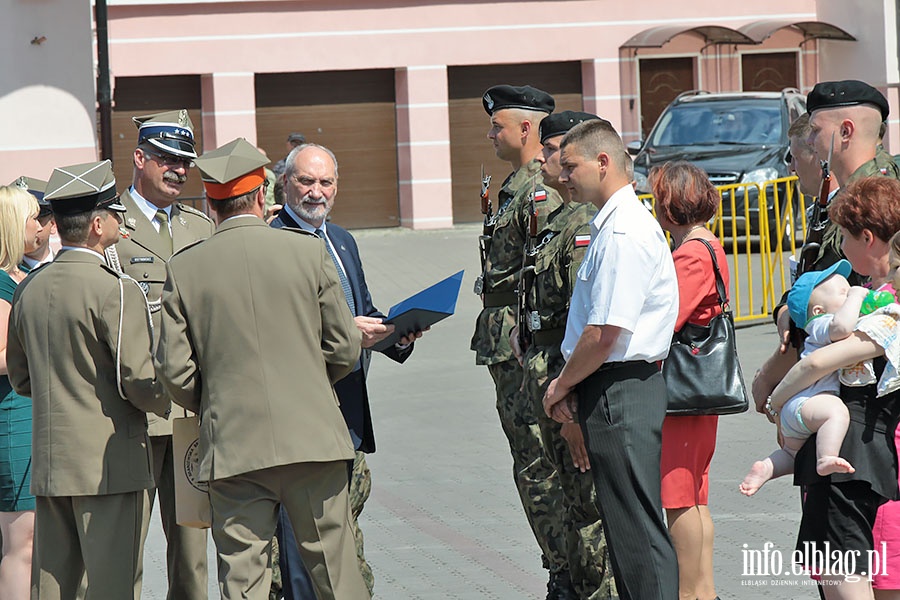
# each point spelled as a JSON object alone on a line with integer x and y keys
{"x": 360, "y": 488}
{"x": 534, "y": 475}
{"x": 590, "y": 568}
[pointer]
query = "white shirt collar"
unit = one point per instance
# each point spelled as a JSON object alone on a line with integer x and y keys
{"x": 147, "y": 208}
{"x": 303, "y": 224}
{"x": 238, "y": 217}
{"x": 623, "y": 194}
{"x": 32, "y": 263}
{"x": 83, "y": 249}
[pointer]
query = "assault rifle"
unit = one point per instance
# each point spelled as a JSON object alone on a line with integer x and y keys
{"x": 818, "y": 221}
{"x": 526, "y": 275}
{"x": 487, "y": 230}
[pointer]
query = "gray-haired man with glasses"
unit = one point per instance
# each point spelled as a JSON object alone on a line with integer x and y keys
{"x": 154, "y": 227}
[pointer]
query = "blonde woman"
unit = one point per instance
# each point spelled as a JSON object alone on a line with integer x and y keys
{"x": 19, "y": 229}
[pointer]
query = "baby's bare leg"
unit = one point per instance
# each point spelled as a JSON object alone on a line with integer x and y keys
{"x": 780, "y": 462}
{"x": 827, "y": 415}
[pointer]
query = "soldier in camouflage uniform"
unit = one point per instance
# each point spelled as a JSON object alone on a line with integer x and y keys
{"x": 515, "y": 114}
{"x": 557, "y": 253}
{"x": 851, "y": 114}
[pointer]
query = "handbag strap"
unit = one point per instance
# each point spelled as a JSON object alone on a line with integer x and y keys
{"x": 720, "y": 283}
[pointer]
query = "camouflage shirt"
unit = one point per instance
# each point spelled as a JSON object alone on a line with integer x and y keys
{"x": 504, "y": 260}
{"x": 830, "y": 250}
{"x": 560, "y": 248}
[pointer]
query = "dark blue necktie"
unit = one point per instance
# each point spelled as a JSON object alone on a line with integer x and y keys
{"x": 345, "y": 283}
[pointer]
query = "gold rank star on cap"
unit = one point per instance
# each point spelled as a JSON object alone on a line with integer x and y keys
{"x": 82, "y": 188}
{"x": 232, "y": 170}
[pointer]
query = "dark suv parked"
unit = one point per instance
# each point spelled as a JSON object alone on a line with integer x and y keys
{"x": 736, "y": 137}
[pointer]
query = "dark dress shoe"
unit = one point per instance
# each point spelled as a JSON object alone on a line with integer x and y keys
{"x": 560, "y": 587}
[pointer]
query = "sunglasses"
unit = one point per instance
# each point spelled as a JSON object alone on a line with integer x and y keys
{"x": 168, "y": 160}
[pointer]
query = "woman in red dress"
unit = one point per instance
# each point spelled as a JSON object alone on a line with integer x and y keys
{"x": 685, "y": 201}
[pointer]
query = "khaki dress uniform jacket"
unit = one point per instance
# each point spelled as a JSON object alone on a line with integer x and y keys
{"x": 79, "y": 346}
{"x": 143, "y": 255}
{"x": 255, "y": 352}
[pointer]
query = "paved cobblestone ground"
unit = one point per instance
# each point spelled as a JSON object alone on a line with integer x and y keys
{"x": 444, "y": 520}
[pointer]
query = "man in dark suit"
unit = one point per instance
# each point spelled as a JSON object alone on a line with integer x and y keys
{"x": 234, "y": 365}
{"x": 310, "y": 186}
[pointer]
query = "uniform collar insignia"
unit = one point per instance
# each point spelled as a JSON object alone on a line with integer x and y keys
{"x": 131, "y": 222}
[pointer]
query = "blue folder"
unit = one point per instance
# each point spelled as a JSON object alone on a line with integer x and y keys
{"x": 422, "y": 310}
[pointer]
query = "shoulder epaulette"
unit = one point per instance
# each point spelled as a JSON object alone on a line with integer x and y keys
{"x": 193, "y": 211}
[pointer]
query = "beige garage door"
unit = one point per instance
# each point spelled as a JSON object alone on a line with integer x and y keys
{"x": 353, "y": 114}
{"x": 148, "y": 95}
{"x": 469, "y": 124}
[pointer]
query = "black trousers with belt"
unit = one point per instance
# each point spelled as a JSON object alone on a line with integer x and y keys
{"x": 621, "y": 409}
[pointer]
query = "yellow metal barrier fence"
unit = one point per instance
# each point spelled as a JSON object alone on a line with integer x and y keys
{"x": 760, "y": 225}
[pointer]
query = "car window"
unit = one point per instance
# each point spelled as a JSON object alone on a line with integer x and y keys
{"x": 727, "y": 122}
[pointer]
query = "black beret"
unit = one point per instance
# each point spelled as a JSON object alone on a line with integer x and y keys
{"x": 832, "y": 94}
{"x": 560, "y": 123}
{"x": 509, "y": 96}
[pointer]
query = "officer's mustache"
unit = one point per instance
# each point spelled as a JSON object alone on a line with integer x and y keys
{"x": 174, "y": 177}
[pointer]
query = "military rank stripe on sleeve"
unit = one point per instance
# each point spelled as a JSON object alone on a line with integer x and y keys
{"x": 540, "y": 195}
{"x": 582, "y": 240}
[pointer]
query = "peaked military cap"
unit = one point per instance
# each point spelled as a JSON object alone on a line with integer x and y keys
{"x": 83, "y": 188}
{"x": 832, "y": 94}
{"x": 525, "y": 97}
{"x": 171, "y": 132}
{"x": 35, "y": 187}
{"x": 232, "y": 170}
{"x": 560, "y": 123}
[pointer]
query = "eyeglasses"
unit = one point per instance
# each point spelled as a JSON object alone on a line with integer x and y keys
{"x": 168, "y": 160}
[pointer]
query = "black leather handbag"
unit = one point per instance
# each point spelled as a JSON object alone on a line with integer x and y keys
{"x": 702, "y": 372}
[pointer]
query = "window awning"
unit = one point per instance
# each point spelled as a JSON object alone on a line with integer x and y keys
{"x": 751, "y": 33}
{"x": 656, "y": 37}
{"x": 811, "y": 30}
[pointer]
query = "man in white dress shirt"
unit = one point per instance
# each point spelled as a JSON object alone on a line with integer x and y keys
{"x": 620, "y": 323}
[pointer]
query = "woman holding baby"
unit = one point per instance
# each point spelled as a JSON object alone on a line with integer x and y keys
{"x": 845, "y": 510}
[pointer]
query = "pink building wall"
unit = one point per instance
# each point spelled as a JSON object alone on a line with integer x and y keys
{"x": 227, "y": 42}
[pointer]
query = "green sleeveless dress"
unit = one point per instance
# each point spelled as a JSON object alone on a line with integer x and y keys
{"x": 15, "y": 434}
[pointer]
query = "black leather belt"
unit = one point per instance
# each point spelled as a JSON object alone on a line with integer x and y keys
{"x": 549, "y": 337}
{"x": 610, "y": 366}
{"x": 497, "y": 299}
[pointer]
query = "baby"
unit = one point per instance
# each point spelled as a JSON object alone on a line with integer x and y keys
{"x": 825, "y": 305}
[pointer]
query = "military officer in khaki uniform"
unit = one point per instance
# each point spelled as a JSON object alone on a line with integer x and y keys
{"x": 79, "y": 346}
{"x": 235, "y": 340}
{"x": 557, "y": 252}
{"x": 515, "y": 114}
{"x": 155, "y": 226}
